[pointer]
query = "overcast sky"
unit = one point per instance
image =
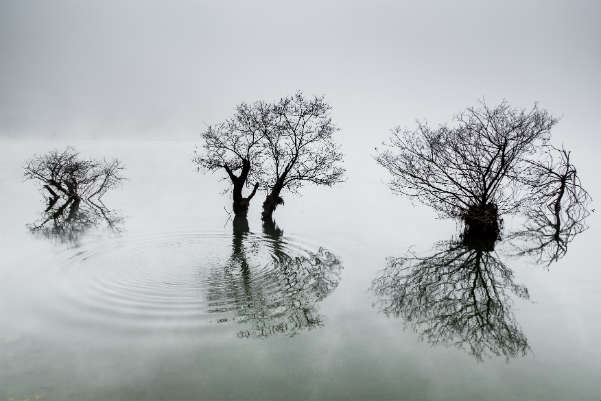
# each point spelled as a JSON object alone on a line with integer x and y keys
{"x": 167, "y": 68}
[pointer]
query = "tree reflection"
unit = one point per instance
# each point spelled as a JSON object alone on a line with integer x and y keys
{"x": 490, "y": 163}
{"x": 459, "y": 295}
{"x": 277, "y": 296}
{"x": 66, "y": 220}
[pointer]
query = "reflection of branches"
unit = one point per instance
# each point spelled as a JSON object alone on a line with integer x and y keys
{"x": 68, "y": 221}
{"x": 456, "y": 296}
{"x": 297, "y": 284}
{"x": 557, "y": 209}
{"x": 279, "y": 298}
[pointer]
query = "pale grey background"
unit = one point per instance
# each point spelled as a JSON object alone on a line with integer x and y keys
{"x": 157, "y": 69}
{"x": 138, "y": 80}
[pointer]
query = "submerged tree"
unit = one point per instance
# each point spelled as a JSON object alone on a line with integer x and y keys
{"x": 299, "y": 148}
{"x": 75, "y": 188}
{"x": 471, "y": 169}
{"x": 65, "y": 175}
{"x": 233, "y": 146}
{"x": 457, "y": 296}
{"x": 280, "y": 145}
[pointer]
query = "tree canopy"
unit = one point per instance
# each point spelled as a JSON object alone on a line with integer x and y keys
{"x": 66, "y": 174}
{"x": 279, "y": 145}
{"x": 473, "y": 162}
{"x": 75, "y": 187}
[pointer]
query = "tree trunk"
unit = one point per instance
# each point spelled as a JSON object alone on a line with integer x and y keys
{"x": 51, "y": 200}
{"x": 73, "y": 209}
{"x": 557, "y": 208}
{"x": 59, "y": 212}
{"x": 271, "y": 202}
{"x": 239, "y": 202}
{"x": 482, "y": 228}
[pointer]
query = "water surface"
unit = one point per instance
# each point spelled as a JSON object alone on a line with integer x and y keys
{"x": 176, "y": 301}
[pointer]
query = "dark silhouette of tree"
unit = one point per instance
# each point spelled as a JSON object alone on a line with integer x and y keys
{"x": 280, "y": 145}
{"x": 471, "y": 169}
{"x": 492, "y": 161}
{"x": 66, "y": 175}
{"x": 280, "y": 298}
{"x": 299, "y": 148}
{"x": 557, "y": 207}
{"x": 457, "y": 296}
{"x": 75, "y": 188}
{"x": 233, "y": 146}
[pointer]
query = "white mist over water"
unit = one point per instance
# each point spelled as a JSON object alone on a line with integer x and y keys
{"x": 144, "y": 313}
{"x": 131, "y": 314}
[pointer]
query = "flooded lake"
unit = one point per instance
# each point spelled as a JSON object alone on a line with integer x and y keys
{"x": 163, "y": 296}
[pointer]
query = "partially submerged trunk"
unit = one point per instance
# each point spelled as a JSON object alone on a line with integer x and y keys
{"x": 482, "y": 227}
{"x": 240, "y": 203}
{"x": 272, "y": 201}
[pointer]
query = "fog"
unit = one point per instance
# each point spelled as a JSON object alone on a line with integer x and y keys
{"x": 139, "y": 80}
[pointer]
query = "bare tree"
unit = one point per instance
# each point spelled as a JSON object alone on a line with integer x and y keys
{"x": 233, "y": 146}
{"x": 75, "y": 188}
{"x": 298, "y": 148}
{"x": 280, "y": 145}
{"x": 65, "y": 175}
{"x": 457, "y": 296}
{"x": 468, "y": 170}
{"x": 557, "y": 208}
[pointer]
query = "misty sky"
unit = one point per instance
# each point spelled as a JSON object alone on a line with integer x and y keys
{"x": 159, "y": 69}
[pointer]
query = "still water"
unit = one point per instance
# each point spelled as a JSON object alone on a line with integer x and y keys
{"x": 170, "y": 298}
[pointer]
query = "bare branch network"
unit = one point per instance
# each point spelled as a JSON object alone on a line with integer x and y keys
{"x": 474, "y": 162}
{"x": 65, "y": 174}
{"x": 491, "y": 161}
{"x": 557, "y": 210}
{"x": 457, "y": 296}
{"x": 278, "y": 146}
{"x": 75, "y": 188}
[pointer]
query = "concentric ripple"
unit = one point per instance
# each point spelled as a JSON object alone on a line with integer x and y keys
{"x": 250, "y": 284}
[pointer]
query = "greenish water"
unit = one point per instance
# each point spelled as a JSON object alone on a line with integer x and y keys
{"x": 177, "y": 303}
